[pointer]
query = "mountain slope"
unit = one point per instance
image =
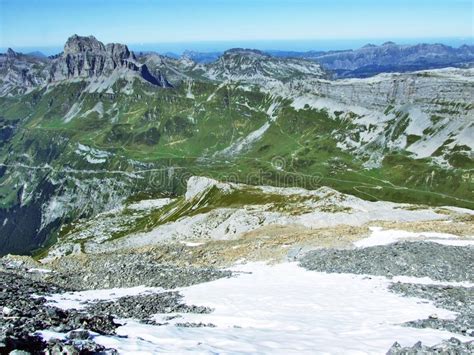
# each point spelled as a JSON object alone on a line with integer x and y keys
{"x": 212, "y": 210}
{"x": 98, "y": 127}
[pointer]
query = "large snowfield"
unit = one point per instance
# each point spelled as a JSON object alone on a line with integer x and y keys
{"x": 279, "y": 309}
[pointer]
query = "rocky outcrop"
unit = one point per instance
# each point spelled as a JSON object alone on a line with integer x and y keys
{"x": 86, "y": 57}
{"x": 425, "y": 89}
{"x": 82, "y": 58}
{"x": 19, "y": 72}
{"x": 78, "y": 44}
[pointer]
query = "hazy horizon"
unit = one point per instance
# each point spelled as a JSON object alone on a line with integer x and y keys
{"x": 265, "y": 45}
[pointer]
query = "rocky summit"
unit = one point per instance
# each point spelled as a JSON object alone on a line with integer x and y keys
{"x": 87, "y": 57}
{"x": 83, "y": 57}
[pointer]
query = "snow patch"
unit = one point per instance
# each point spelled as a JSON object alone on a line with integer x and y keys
{"x": 198, "y": 184}
{"x": 98, "y": 108}
{"x": 79, "y": 300}
{"x": 385, "y": 237}
{"x": 429, "y": 281}
{"x": 73, "y": 112}
{"x": 286, "y": 309}
{"x": 245, "y": 142}
{"x": 150, "y": 204}
{"x": 92, "y": 155}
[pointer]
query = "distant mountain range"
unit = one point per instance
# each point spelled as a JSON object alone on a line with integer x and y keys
{"x": 364, "y": 62}
{"x": 389, "y": 57}
{"x": 372, "y": 60}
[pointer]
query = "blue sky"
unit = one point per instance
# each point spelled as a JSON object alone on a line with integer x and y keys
{"x": 48, "y": 23}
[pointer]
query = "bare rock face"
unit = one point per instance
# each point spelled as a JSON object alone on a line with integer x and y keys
{"x": 78, "y": 44}
{"x": 11, "y": 53}
{"x": 86, "y": 57}
{"x": 19, "y": 72}
{"x": 119, "y": 53}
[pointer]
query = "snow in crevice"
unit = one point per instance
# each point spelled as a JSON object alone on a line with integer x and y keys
{"x": 189, "y": 93}
{"x": 98, "y": 108}
{"x": 246, "y": 141}
{"x": 73, "y": 112}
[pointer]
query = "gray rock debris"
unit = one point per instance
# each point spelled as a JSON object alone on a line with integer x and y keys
{"x": 418, "y": 259}
{"x": 456, "y": 299}
{"x": 452, "y": 346}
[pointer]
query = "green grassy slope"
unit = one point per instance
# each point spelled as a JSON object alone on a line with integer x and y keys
{"x": 111, "y": 147}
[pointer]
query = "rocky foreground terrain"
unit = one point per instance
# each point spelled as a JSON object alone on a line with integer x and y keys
{"x": 400, "y": 284}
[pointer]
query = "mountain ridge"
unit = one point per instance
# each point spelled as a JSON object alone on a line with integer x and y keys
{"x": 388, "y": 57}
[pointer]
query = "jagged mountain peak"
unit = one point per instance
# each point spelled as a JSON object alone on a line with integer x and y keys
{"x": 84, "y": 58}
{"x": 11, "y": 53}
{"x": 78, "y": 44}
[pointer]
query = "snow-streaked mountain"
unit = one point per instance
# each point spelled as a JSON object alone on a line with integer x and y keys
{"x": 253, "y": 66}
{"x": 427, "y": 113}
{"x": 388, "y": 57}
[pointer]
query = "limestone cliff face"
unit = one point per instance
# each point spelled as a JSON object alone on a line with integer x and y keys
{"x": 19, "y": 72}
{"x": 86, "y": 57}
{"x": 427, "y": 113}
{"x": 83, "y": 58}
{"x": 421, "y": 88}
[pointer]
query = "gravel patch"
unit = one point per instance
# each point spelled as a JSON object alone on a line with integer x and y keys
{"x": 457, "y": 299}
{"x": 143, "y": 306}
{"x": 418, "y": 259}
{"x": 24, "y": 310}
{"x": 452, "y": 346}
{"x": 128, "y": 270}
{"x": 23, "y": 315}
